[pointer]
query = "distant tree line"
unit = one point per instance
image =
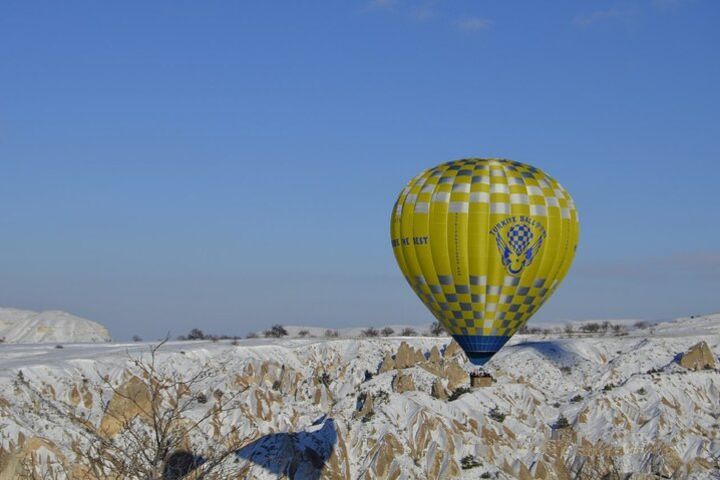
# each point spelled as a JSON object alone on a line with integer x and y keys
{"x": 604, "y": 328}
{"x": 197, "y": 334}
{"x": 436, "y": 329}
{"x": 279, "y": 331}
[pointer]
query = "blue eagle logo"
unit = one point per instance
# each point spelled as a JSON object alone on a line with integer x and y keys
{"x": 518, "y": 250}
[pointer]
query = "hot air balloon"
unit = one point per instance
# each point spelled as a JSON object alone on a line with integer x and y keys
{"x": 484, "y": 242}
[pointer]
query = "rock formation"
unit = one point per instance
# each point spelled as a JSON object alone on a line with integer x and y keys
{"x": 379, "y": 408}
{"x": 698, "y": 357}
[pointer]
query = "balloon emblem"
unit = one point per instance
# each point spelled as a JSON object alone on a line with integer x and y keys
{"x": 484, "y": 243}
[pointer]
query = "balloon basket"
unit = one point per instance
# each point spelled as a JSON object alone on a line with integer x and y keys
{"x": 479, "y": 378}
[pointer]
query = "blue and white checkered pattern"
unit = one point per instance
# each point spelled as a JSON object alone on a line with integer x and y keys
{"x": 519, "y": 237}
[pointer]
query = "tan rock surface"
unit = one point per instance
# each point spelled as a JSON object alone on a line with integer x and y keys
{"x": 438, "y": 390}
{"x": 698, "y": 357}
{"x": 132, "y": 400}
{"x": 403, "y": 383}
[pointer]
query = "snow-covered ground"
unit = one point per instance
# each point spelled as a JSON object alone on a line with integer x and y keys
{"x": 377, "y": 408}
{"x": 25, "y": 326}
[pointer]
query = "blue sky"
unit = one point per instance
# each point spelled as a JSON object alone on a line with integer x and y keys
{"x": 230, "y": 165}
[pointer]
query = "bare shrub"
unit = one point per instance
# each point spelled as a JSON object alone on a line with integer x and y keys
{"x": 153, "y": 414}
{"x": 562, "y": 422}
{"x": 497, "y": 415}
{"x": 469, "y": 461}
{"x": 325, "y": 379}
{"x": 458, "y": 392}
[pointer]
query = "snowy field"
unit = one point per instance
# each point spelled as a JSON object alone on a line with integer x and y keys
{"x": 398, "y": 407}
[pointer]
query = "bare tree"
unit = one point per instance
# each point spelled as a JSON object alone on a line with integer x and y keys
{"x": 438, "y": 329}
{"x": 370, "y": 332}
{"x": 196, "y": 334}
{"x": 276, "y": 331}
{"x": 387, "y": 331}
{"x": 148, "y": 423}
{"x": 592, "y": 327}
{"x": 618, "y": 329}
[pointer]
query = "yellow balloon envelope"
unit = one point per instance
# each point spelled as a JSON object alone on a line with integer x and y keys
{"x": 484, "y": 243}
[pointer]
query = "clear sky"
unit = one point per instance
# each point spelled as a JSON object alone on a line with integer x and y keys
{"x": 230, "y": 165}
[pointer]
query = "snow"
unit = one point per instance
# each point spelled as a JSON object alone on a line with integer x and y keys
{"x": 625, "y": 391}
{"x": 53, "y": 326}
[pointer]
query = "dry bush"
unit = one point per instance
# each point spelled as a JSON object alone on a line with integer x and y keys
{"x": 152, "y": 423}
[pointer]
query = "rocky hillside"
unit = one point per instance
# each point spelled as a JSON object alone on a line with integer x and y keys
{"x": 390, "y": 408}
{"x": 53, "y": 326}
